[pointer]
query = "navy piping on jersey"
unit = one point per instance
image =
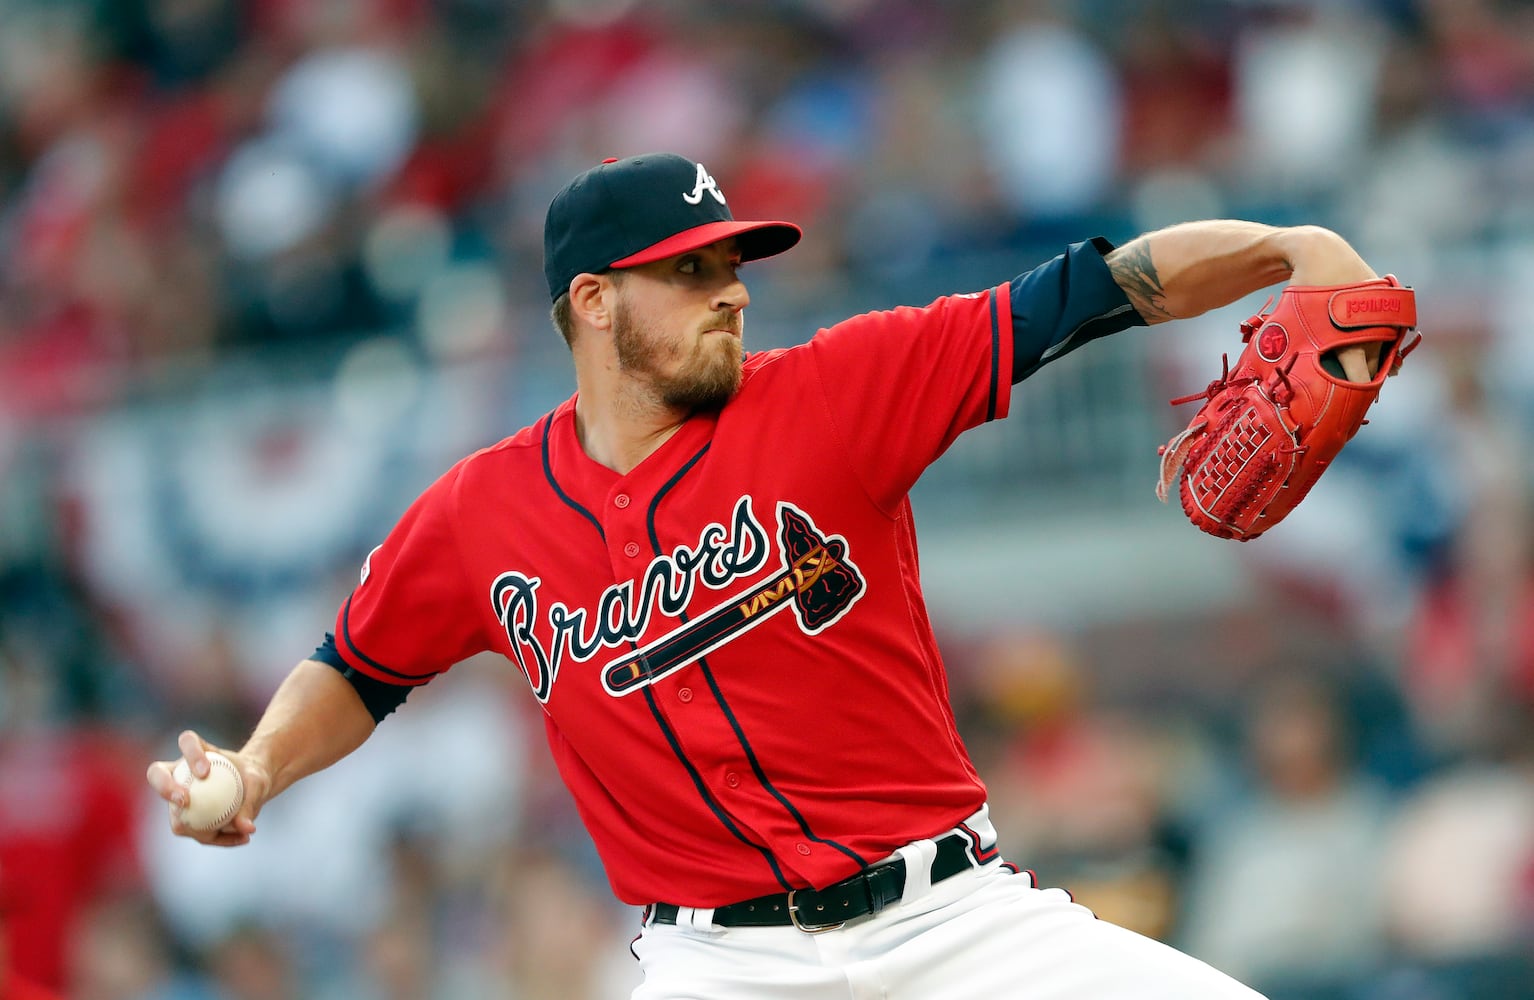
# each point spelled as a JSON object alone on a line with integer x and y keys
{"x": 665, "y": 725}
{"x": 703, "y": 793}
{"x": 346, "y": 633}
{"x": 548, "y": 473}
{"x": 649, "y": 696}
{"x": 990, "y": 400}
{"x": 713, "y": 686}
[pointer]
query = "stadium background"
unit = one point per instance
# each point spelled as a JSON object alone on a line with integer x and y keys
{"x": 266, "y": 268}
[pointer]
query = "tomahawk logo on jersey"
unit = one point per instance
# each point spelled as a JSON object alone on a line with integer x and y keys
{"x": 817, "y": 581}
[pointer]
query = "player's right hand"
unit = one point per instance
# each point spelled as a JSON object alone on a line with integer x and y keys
{"x": 194, "y": 750}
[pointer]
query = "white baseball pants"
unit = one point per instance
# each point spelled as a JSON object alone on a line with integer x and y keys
{"x": 981, "y": 934}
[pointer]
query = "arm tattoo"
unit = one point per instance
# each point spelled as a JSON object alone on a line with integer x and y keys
{"x": 1132, "y": 268}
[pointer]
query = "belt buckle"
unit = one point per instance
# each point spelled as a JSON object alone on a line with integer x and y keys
{"x": 793, "y": 918}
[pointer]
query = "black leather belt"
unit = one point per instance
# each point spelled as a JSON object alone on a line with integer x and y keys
{"x": 861, "y": 895}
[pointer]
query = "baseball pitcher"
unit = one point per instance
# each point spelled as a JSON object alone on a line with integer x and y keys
{"x": 704, "y": 564}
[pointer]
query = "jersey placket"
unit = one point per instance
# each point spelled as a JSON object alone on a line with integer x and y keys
{"x": 687, "y": 703}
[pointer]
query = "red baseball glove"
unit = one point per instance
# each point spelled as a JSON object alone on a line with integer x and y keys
{"x": 1271, "y": 426}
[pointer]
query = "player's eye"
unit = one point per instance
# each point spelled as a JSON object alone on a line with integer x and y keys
{"x": 696, "y": 265}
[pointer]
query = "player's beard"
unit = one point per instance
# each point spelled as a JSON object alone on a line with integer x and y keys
{"x": 702, "y": 378}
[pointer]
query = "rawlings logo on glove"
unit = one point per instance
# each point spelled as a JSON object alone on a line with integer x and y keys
{"x": 1271, "y": 426}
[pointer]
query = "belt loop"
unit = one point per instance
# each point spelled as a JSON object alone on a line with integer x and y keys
{"x": 918, "y": 856}
{"x": 699, "y": 919}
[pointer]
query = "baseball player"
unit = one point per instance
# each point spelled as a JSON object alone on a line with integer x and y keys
{"x": 704, "y": 565}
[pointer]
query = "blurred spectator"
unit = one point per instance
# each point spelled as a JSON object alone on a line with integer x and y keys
{"x": 1305, "y": 85}
{"x": 13, "y": 985}
{"x": 1050, "y": 115}
{"x": 1459, "y": 855}
{"x": 1078, "y": 791}
{"x": 67, "y": 810}
{"x": 1485, "y": 67}
{"x": 120, "y": 951}
{"x": 1285, "y": 884}
{"x": 399, "y": 959}
{"x": 1178, "y": 89}
{"x": 1472, "y": 639}
{"x": 557, "y": 936}
{"x": 254, "y": 963}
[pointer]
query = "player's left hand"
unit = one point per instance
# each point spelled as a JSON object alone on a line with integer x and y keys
{"x": 1273, "y": 422}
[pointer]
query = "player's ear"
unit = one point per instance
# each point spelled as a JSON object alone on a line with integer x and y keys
{"x": 588, "y": 304}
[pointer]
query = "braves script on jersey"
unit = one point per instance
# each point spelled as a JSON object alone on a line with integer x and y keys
{"x": 739, "y": 681}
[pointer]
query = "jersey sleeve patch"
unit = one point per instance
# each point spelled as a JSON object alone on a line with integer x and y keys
{"x": 367, "y": 566}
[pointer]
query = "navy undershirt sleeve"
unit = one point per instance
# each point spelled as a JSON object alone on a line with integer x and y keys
{"x": 380, "y": 698}
{"x": 1063, "y": 303}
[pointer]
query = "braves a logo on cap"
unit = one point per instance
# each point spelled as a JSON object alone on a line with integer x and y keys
{"x": 816, "y": 580}
{"x": 704, "y": 183}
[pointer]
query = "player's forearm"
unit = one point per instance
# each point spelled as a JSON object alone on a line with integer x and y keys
{"x": 313, "y": 720}
{"x": 1191, "y": 268}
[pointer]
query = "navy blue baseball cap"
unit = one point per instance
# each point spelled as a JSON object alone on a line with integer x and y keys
{"x": 641, "y": 209}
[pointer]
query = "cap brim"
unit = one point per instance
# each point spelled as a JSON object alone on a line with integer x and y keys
{"x": 756, "y": 240}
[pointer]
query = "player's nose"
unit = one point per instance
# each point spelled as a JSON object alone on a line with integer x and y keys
{"x": 732, "y": 296}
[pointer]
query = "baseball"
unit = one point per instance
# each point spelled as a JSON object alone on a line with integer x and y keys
{"x": 211, "y": 801}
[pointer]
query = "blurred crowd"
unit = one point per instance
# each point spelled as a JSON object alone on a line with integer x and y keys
{"x": 268, "y": 266}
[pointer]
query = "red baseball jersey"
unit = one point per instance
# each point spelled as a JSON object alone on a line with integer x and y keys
{"x": 739, "y": 681}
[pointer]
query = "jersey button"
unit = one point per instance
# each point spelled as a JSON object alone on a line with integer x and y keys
{"x": 803, "y": 849}
{"x": 684, "y": 694}
{"x": 621, "y": 500}
{"x": 732, "y": 779}
{"x": 631, "y": 549}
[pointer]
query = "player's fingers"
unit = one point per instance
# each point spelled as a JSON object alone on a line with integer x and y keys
{"x": 228, "y": 839}
{"x": 1355, "y": 363}
{"x": 236, "y": 833}
{"x": 195, "y": 749}
{"x": 164, "y": 782}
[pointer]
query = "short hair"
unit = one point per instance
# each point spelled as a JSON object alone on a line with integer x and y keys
{"x": 564, "y": 319}
{"x": 563, "y": 315}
